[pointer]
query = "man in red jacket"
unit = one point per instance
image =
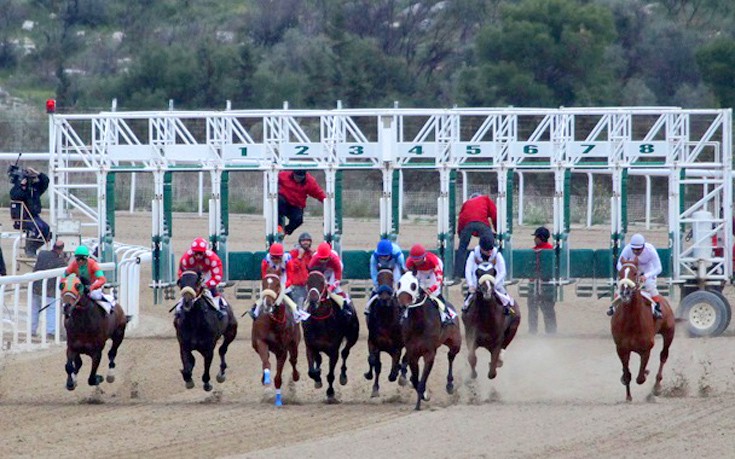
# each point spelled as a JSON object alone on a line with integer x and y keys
{"x": 477, "y": 217}
{"x": 542, "y": 294}
{"x": 293, "y": 189}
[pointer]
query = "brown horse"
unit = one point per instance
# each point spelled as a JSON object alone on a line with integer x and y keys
{"x": 634, "y": 327}
{"x": 198, "y": 328}
{"x": 485, "y": 324}
{"x": 276, "y": 331}
{"x": 325, "y": 331}
{"x": 88, "y": 328}
{"x": 384, "y": 332}
{"x": 423, "y": 333}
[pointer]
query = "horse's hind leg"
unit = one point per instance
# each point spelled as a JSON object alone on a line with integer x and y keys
{"x": 280, "y": 361}
{"x": 395, "y": 364}
{"x": 117, "y": 338}
{"x": 208, "y": 357}
{"x": 94, "y": 378}
{"x": 293, "y": 357}
{"x": 668, "y": 338}
{"x": 453, "y": 351}
{"x": 494, "y": 362}
{"x": 333, "y": 358}
{"x": 71, "y": 369}
{"x": 314, "y": 361}
{"x": 187, "y": 361}
{"x": 371, "y": 359}
{"x": 229, "y": 336}
{"x": 642, "y": 372}
{"x": 402, "y": 380}
{"x": 472, "y": 359}
{"x": 374, "y": 360}
{"x": 351, "y": 340}
{"x": 625, "y": 379}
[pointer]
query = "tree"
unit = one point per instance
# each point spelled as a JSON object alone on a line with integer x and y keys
{"x": 717, "y": 61}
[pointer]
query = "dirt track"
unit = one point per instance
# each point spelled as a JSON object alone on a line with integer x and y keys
{"x": 555, "y": 397}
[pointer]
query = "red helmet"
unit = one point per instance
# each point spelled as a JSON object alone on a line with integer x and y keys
{"x": 199, "y": 245}
{"x": 276, "y": 250}
{"x": 417, "y": 251}
{"x": 324, "y": 250}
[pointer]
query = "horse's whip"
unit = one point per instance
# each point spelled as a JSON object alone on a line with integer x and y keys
{"x": 46, "y": 307}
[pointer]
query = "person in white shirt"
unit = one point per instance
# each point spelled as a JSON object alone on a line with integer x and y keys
{"x": 649, "y": 266}
{"x": 486, "y": 254}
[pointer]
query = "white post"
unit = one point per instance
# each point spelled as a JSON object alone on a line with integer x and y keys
{"x": 200, "y": 200}
{"x": 648, "y": 202}
{"x": 132, "y": 192}
{"x": 590, "y": 198}
{"x": 520, "y": 197}
{"x": 465, "y": 185}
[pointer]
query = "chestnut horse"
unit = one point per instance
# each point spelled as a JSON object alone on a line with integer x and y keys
{"x": 423, "y": 333}
{"x": 485, "y": 324}
{"x": 88, "y": 328}
{"x": 198, "y": 328}
{"x": 325, "y": 331}
{"x": 275, "y": 330}
{"x": 384, "y": 332}
{"x": 634, "y": 327}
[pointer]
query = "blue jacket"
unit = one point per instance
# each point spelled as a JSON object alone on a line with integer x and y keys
{"x": 397, "y": 263}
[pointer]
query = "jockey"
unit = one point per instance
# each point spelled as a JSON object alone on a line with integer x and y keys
{"x": 649, "y": 265}
{"x": 430, "y": 273}
{"x": 327, "y": 261}
{"x": 298, "y": 268}
{"x": 277, "y": 259}
{"x": 486, "y": 253}
{"x": 387, "y": 255}
{"x": 200, "y": 258}
{"x": 87, "y": 269}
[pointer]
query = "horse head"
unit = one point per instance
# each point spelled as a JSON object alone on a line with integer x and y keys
{"x": 385, "y": 285}
{"x": 270, "y": 291}
{"x": 485, "y": 274}
{"x": 409, "y": 291}
{"x": 628, "y": 279}
{"x": 72, "y": 292}
{"x": 316, "y": 286}
{"x": 190, "y": 284}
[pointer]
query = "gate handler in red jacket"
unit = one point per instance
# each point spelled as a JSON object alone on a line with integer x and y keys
{"x": 293, "y": 189}
{"x": 477, "y": 217}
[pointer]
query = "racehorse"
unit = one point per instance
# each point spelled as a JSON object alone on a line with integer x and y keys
{"x": 198, "y": 328}
{"x": 275, "y": 330}
{"x": 88, "y": 328}
{"x": 325, "y": 331}
{"x": 384, "y": 332}
{"x": 634, "y": 327}
{"x": 485, "y": 324}
{"x": 423, "y": 333}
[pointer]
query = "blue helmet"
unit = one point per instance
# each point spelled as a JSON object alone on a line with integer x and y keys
{"x": 384, "y": 249}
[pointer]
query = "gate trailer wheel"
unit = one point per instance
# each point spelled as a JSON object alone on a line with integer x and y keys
{"x": 707, "y": 313}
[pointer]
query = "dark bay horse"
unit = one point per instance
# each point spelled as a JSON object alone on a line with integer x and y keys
{"x": 198, "y": 328}
{"x": 384, "y": 332}
{"x": 325, "y": 331}
{"x": 634, "y": 327}
{"x": 485, "y": 324}
{"x": 423, "y": 333}
{"x": 88, "y": 328}
{"x": 275, "y": 330}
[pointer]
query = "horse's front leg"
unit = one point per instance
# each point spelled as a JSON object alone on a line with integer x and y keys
{"x": 402, "y": 380}
{"x": 663, "y": 357}
{"x": 472, "y": 359}
{"x": 208, "y": 357}
{"x": 71, "y": 369}
{"x": 642, "y": 371}
{"x": 293, "y": 357}
{"x": 117, "y": 338}
{"x": 371, "y": 350}
{"x": 450, "y": 376}
{"x": 314, "y": 361}
{"x": 333, "y": 358}
{"x": 187, "y": 361}
{"x": 421, "y": 389}
{"x": 229, "y": 336}
{"x": 374, "y": 360}
{"x": 94, "y": 378}
{"x": 261, "y": 347}
{"x": 280, "y": 361}
{"x": 494, "y": 362}
{"x": 624, "y": 356}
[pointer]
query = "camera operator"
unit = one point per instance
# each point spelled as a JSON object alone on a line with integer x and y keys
{"x": 28, "y": 186}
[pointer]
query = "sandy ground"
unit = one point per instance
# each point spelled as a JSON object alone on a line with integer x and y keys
{"x": 556, "y": 396}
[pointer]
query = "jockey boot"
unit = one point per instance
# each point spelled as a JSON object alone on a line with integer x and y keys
{"x": 656, "y": 306}
{"x": 347, "y": 309}
{"x": 251, "y": 313}
{"x": 611, "y": 309}
{"x": 507, "y": 310}
{"x": 467, "y": 301}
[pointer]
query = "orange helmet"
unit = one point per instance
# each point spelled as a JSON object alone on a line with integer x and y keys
{"x": 276, "y": 250}
{"x": 199, "y": 245}
{"x": 324, "y": 250}
{"x": 417, "y": 251}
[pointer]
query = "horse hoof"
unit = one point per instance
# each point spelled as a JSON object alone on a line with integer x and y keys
{"x": 296, "y": 376}
{"x": 343, "y": 379}
{"x": 71, "y": 385}
{"x": 492, "y": 374}
{"x": 110, "y": 375}
{"x": 657, "y": 389}
{"x": 450, "y": 388}
{"x": 221, "y": 378}
{"x": 376, "y": 393}
{"x": 426, "y": 396}
{"x": 317, "y": 385}
{"x": 95, "y": 381}
{"x": 392, "y": 377}
{"x": 500, "y": 363}
{"x": 332, "y": 400}
{"x": 402, "y": 381}
{"x": 207, "y": 386}
{"x": 266, "y": 377}
{"x": 189, "y": 384}
{"x": 369, "y": 375}
{"x": 473, "y": 375}
{"x": 640, "y": 380}
{"x": 279, "y": 402}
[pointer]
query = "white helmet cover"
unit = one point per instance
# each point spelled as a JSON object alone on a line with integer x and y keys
{"x": 637, "y": 241}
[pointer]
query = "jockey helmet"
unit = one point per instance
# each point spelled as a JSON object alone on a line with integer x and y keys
{"x": 324, "y": 251}
{"x": 81, "y": 251}
{"x": 542, "y": 233}
{"x": 305, "y": 237}
{"x": 384, "y": 249}
{"x": 417, "y": 251}
{"x": 199, "y": 245}
{"x": 487, "y": 242}
{"x": 637, "y": 241}
{"x": 276, "y": 250}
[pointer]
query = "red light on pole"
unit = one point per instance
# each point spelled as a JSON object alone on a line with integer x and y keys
{"x": 51, "y": 106}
